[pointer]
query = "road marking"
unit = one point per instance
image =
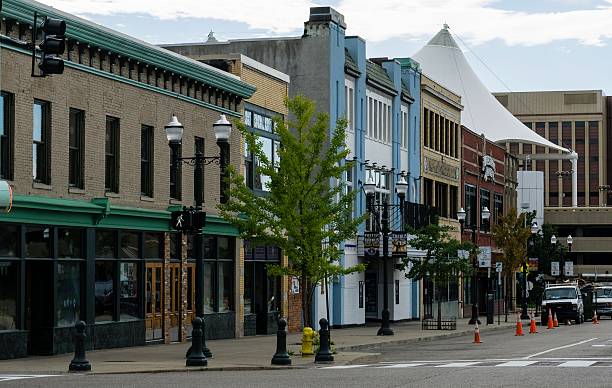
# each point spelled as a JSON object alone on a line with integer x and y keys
{"x": 600, "y": 345}
{"x": 344, "y": 367}
{"x": 21, "y": 377}
{"x": 558, "y": 348}
{"x": 400, "y": 366}
{"x": 577, "y": 363}
{"x": 517, "y": 363}
{"x": 457, "y": 364}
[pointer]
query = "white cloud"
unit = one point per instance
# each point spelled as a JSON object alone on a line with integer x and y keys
{"x": 477, "y": 21}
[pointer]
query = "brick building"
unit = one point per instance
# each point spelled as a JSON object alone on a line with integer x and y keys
{"x": 88, "y": 237}
{"x": 488, "y": 175}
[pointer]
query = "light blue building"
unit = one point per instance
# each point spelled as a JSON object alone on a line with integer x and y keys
{"x": 380, "y": 99}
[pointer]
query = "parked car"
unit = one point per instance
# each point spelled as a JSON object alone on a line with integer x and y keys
{"x": 564, "y": 300}
{"x": 603, "y": 300}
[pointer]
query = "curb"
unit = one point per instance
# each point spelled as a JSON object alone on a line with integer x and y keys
{"x": 381, "y": 345}
{"x": 200, "y": 369}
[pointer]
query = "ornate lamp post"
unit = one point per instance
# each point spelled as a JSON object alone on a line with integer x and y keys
{"x": 373, "y": 205}
{"x": 485, "y": 214}
{"x": 174, "y": 134}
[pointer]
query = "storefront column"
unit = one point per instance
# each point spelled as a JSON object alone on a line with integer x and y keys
{"x": 90, "y": 276}
{"x": 183, "y": 321}
{"x": 239, "y": 288}
{"x": 166, "y": 287}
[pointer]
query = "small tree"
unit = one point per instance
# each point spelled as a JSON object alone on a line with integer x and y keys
{"x": 306, "y": 212}
{"x": 442, "y": 261}
{"x": 510, "y": 234}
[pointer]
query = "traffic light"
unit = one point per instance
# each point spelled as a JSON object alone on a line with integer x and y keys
{"x": 52, "y": 46}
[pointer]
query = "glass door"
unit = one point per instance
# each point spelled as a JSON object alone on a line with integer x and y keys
{"x": 154, "y": 313}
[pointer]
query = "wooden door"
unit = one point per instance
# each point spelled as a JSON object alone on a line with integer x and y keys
{"x": 154, "y": 303}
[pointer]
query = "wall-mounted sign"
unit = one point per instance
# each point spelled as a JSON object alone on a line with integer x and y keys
{"x": 488, "y": 168}
{"x": 399, "y": 243}
{"x": 6, "y": 196}
{"x": 371, "y": 243}
{"x": 440, "y": 168}
{"x": 295, "y": 285}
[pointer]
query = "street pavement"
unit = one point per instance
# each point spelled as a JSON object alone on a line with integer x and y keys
{"x": 567, "y": 356}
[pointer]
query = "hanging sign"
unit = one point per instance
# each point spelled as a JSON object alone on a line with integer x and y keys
{"x": 371, "y": 243}
{"x": 554, "y": 268}
{"x": 399, "y": 243}
{"x": 484, "y": 257}
{"x": 568, "y": 268}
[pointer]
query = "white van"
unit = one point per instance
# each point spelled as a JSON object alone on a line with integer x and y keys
{"x": 565, "y": 300}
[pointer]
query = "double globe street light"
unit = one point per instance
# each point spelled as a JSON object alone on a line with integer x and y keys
{"x": 485, "y": 214}
{"x": 174, "y": 133}
{"x": 374, "y": 207}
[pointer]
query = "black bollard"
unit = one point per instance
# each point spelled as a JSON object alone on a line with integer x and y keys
{"x": 281, "y": 357}
{"x": 79, "y": 363}
{"x": 205, "y": 349}
{"x": 324, "y": 354}
{"x": 196, "y": 357}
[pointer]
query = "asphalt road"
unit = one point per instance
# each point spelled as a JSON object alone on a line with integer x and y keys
{"x": 570, "y": 356}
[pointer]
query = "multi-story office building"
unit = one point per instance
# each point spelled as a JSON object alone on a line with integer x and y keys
{"x": 380, "y": 100}
{"x": 572, "y": 119}
{"x": 580, "y": 120}
{"x": 89, "y": 234}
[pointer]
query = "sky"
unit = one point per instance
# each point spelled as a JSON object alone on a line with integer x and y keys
{"x": 513, "y": 45}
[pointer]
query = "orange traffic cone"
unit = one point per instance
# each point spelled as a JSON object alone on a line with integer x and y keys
{"x": 595, "y": 321}
{"x": 477, "y": 334}
{"x": 519, "y": 326}
{"x": 532, "y": 326}
{"x": 551, "y": 325}
{"x": 555, "y": 322}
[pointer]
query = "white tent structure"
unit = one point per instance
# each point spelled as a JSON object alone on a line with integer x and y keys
{"x": 443, "y": 61}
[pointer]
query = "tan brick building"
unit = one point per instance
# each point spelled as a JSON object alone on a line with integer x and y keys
{"x": 89, "y": 236}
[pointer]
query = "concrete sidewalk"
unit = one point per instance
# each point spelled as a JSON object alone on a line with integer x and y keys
{"x": 354, "y": 345}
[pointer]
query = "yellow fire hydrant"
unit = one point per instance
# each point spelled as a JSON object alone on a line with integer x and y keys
{"x": 307, "y": 341}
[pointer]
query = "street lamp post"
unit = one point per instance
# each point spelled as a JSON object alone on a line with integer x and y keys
{"x": 401, "y": 187}
{"x": 485, "y": 214}
{"x": 174, "y": 134}
{"x": 534, "y": 231}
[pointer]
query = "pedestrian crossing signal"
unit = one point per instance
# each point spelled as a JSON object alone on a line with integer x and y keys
{"x": 188, "y": 219}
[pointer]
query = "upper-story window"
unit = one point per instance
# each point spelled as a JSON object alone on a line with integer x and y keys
{"x": 383, "y": 191}
{"x": 379, "y": 117}
{"x": 261, "y": 124}
{"x": 146, "y": 160}
{"x": 111, "y": 168}
{"x": 7, "y": 132}
{"x": 404, "y": 127}
{"x": 41, "y": 139}
{"x": 76, "y": 145}
{"x": 349, "y": 93}
{"x": 440, "y": 133}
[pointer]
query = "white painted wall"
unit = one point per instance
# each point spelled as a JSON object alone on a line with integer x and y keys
{"x": 530, "y": 193}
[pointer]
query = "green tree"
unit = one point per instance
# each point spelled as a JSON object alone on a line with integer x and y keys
{"x": 442, "y": 262}
{"x": 307, "y": 211}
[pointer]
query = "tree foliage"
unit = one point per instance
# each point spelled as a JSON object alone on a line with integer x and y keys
{"x": 510, "y": 235}
{"x": 307, "y": 211}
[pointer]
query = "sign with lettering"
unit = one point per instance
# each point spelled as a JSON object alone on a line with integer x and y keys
{"x": 554, "y": 268}
{"x": 568, "y": 268}
{"x": 484, "y": 257}
{"x": 371, "y": 243}
{"x": 399, "y": 243}
{"x": 440, "y": 168}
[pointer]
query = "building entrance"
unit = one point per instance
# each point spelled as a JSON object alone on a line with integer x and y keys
{"x": 154, "y": 305}
{"x": 39, "y": 306}
{"x": 371, "y": 294}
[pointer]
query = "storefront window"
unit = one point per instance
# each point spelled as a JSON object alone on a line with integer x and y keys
{"x": 104, "y": 290}
{"x": 129, "y": 245}
{"x": 70, "y": 242}
{"x": 153, "y": 244}
{"x": 248, "y": 287}
{"x": 37, "y": 241}
{"x": 209, "y": 288}
{"x": 128, "y": 285}
{"x": 106, "y": 240}
{"x": 68, "y": 303}
{"x": 9, "y": 271}
{"x": 8, "y": 241}
{"x": 225, "y": 286}
{"x": 261, "y": 291}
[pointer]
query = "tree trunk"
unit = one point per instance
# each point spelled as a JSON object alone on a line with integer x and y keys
{"x": 437, "y": 293}
{"x": 306, "y": 302}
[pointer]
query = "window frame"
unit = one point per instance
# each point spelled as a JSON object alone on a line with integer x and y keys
{"x": 147, "y": 160}
{"x": 76, "y": 151}
{"x": 7, "y": 136}
{"x": 112, "y": 181}
{"x": 44, "y": 175}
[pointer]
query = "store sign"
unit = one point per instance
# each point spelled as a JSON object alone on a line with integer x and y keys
{"x": 484, "y": 257}
{"x": 371, "y": 243}
{"x": 399, "y": 243}
{"x": 554, "y": 268}
{"x": 440, "y": 168}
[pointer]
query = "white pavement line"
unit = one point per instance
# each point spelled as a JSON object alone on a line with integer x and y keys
{"x": 344, "y": 367}
{"x": 558, "y": 348}
{"x": 577, "y": 363}
{"x": 458, "y": 364}
{"x": 517, "y": 363}
{"x": 400, "y": 366}
{"x": 600, "y": 345}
